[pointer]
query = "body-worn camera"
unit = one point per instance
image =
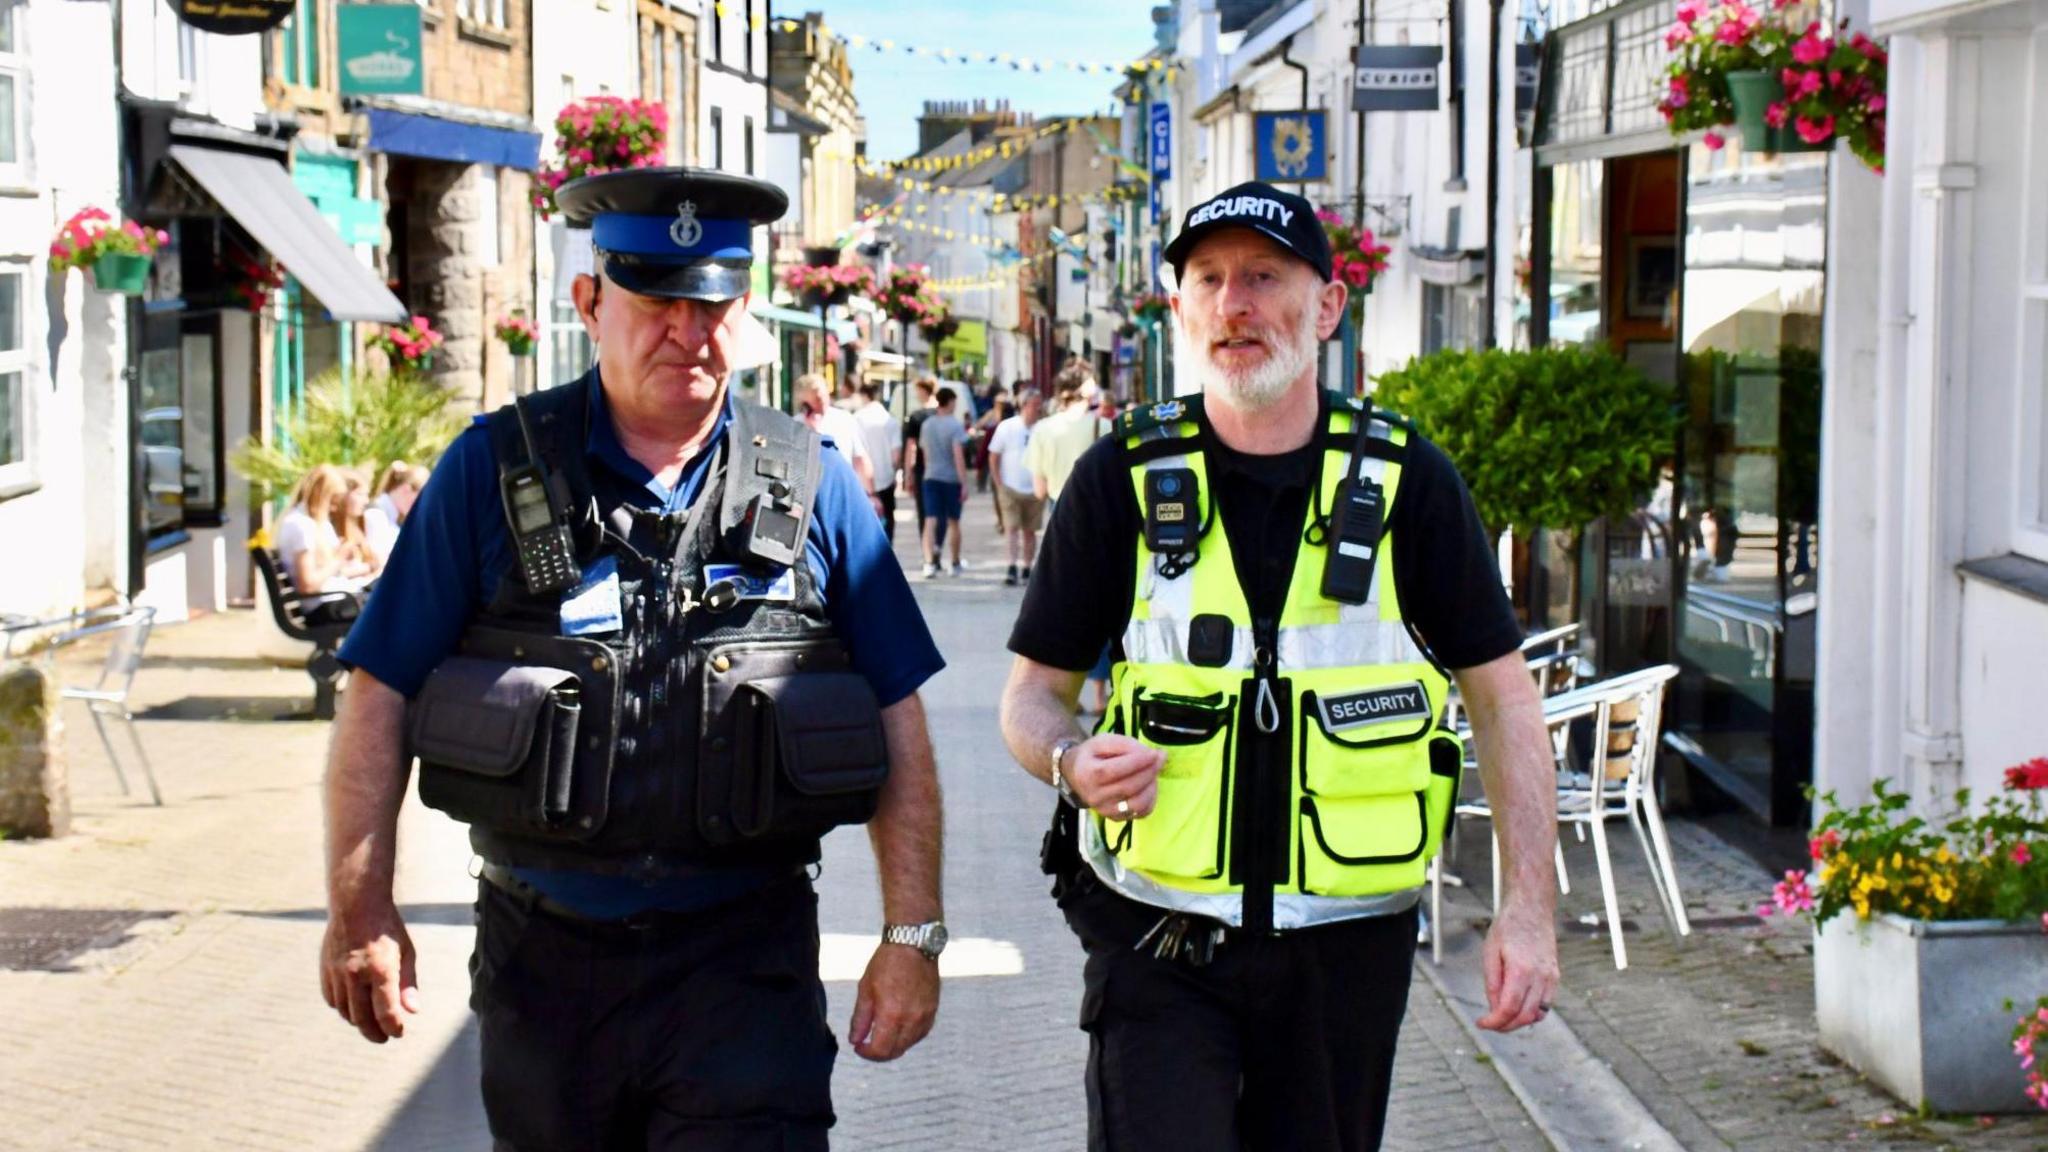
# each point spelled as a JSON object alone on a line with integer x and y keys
{"x": 1172, "y": 512}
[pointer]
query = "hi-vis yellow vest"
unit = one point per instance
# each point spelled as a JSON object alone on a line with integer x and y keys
{"x": 1372, "y": 774}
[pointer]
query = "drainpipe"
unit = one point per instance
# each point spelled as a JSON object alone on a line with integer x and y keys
{"x": 1493, "y": 9}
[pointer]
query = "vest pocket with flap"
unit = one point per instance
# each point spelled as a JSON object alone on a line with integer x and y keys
{"x": 1185, "y": 834}
{"x": 497, "y": 745}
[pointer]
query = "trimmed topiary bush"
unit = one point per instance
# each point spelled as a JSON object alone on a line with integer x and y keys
{"x": 1546, "y": 438}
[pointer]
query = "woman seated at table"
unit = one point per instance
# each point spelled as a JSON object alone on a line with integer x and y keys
{"x": 310, "y": 549}
{"x": 396, "y": 490}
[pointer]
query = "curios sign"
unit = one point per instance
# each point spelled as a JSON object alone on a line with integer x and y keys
{"x": 233, "y": 17}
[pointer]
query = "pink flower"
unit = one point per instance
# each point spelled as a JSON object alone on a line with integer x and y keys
{"x": 1821, "y": 845}
{"x": 1775, "y": 114}
{"x": 1690, "y": 11}
{"x": 1679, "y": 34}
{"x": 1815, "y": 131}
{"x": 1875, "y": 103}
{"x": 2030, "y": 776}
{"x": 2021, "y": 854}
{"x": 1810, "y": 49}
{"x": 1731, "y": 33}
{"x": 1792, "y": 894}
{"x": 1809, "y": 83}
{"x": 1358, "y": 274}
{"x": 1714, "y": 141}
{"x": 1681, "y": 92}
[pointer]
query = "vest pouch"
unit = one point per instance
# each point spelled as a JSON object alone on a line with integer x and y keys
{"x": 1184, "y": 836}
{"x": 1363, "y": 740}
{"x": 1371, "y": 845}
{"x": 497, "y": 746}
{"x": 793, "y": 744}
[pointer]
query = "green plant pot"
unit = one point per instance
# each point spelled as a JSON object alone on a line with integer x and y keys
{"x": 1753, "y": 91}
{"x": 123, "y": 272}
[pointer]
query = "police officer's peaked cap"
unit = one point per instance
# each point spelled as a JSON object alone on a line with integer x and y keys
{"x": 676, "y": 233}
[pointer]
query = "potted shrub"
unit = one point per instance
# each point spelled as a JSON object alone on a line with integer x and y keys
{"x": 519, "y": 333}
{"x": 1783, "y": 83}
{"x": 358, "y": 419}
{"x": 409, "y": 345}
{"x": 601, "y": 134}
{"x": 1917, "y": 986}
{"x": 117, "y": 254}
{"x": 1516, "y": 425}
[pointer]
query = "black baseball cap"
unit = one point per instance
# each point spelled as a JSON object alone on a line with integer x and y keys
{"x": 674, "y": 233}
{"x": 1282, "y": 217}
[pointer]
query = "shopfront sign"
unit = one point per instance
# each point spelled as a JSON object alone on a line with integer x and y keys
{"x": 233, "y": 17}
{"x": 379, "y": 49}
{"x": 1159, "y": 131}
{"x": 1290, "y": 147}
{"x": 1396, "y": 78}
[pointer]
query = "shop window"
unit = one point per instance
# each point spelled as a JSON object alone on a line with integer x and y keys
{"x": 1577, "y": 231}
{"x": 15, "y": 429}
{"x": 1450, "y": 317}
{"x": 301, "y": 45}
{"x": 13, "y": 96}
{"x": 569, "y": 353}
{"x": 200, "y": 467}
{"x": 2030, "y": 529}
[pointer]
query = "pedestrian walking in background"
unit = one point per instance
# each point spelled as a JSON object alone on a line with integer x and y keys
{"x": 981, "y": 428}
{"x": 815, "y": 408}
{"x": 643, "y": 978}
{"x": 1247, "y": 973}
{"x": 1016, "y": 494}
{"x": 942, "y": 445}
{"x": 884, "y": 440}
{"x": 1063, "y": 438}
{"x": 924, "y": 393}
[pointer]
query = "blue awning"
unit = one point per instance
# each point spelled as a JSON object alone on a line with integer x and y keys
{"x": 433, "y": 138}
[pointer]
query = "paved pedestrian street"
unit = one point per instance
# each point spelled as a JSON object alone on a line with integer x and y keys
{"x": 158, "y": 982}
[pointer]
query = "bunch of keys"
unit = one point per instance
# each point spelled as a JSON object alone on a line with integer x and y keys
{"x": 1177, "y": 937}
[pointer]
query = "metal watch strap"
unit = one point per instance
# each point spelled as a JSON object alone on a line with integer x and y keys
{"x": 918, "y": 936}
{"x": 1059, "y": 778}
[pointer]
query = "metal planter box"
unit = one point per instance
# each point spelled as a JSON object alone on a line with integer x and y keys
{"x": 1919, "y": 1007}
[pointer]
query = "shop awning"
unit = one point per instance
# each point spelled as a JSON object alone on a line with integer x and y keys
{"x": 846, "y": 332}
{"x": 261, "y": 197}
{"x": 455, "y": 141}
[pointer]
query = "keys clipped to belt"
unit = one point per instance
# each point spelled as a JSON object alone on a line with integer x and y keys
{"x": 1178, "y": 937}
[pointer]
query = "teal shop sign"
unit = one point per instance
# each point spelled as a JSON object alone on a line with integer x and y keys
{"x": 380, "y": 49}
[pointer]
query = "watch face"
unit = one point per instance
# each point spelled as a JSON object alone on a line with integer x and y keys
{"x": 934, "y": 939}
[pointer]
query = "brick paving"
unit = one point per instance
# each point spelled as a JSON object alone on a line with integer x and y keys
{"x": 1716, "y": 1035}
{"x": 184, "y": 1013}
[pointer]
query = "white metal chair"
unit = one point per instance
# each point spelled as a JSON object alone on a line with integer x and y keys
{"x": 1620, "y": 780}
{"x": 107, "y": 697}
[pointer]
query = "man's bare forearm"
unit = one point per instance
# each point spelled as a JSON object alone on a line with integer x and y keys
{"x": 1038, "y": 712}
{"x": 1519, "y": 774}
{"x": 366, "y": 778}
{"x": 908, "y": 829}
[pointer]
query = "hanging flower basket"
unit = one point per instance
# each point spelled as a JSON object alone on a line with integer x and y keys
{"x": 1787, "y": 86}
{"x": 601, "y": 134}
{"x": 519, "y": 333}
{"x": 409, "y": 345}
{"x": 117, "y": 256}
{"x": 909, "y": 297}
{"x": 938, "y": 330}
{"x": 255, "y": 278}
{"x": 1357, "y": 258}
{"x": 121, "y": 272}
{"x": 823, "y": 285}
{"x": 1152, "y": 308}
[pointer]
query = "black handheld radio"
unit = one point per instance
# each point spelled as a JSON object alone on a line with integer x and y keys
{"x": 540, "y": 537}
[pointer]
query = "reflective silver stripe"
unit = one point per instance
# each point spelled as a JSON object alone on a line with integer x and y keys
{"x": 1164, "y": 641}
{"x": 1290, "y": 909}
{"x": 1347, "y": 645}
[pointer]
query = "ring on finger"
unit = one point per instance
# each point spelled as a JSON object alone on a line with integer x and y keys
{"x": 1123, "y": 807}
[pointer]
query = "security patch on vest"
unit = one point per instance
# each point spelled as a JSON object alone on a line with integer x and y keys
{"x": 752, "y": 585}
{"x": 1373, "y": 706}
{"x": 593, "y": 607}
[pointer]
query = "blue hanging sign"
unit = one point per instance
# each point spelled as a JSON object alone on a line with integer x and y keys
{"x": 1160, "y": 132}
{"x": 1290, "y": 147}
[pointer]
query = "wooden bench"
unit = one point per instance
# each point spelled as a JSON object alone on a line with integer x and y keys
{"x": 290, "y": 609}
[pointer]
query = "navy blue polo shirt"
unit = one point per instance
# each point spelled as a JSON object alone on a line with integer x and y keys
{"x": 454, "y": 550}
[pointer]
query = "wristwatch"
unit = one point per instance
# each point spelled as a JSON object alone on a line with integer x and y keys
{"x": 1059, "y": 777}
{"x": 928, "y": 938}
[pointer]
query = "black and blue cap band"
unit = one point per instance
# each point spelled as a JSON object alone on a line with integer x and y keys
{"x": 655, "y": 236}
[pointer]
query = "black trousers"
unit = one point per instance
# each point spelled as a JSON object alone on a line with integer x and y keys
{"x": 886, "y": 494}
{"x": 702, "y": 1031}
{"x": 1281, "y": 1043}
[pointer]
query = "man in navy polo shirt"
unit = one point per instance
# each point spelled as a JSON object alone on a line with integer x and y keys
{"x": 677, "y": 1004}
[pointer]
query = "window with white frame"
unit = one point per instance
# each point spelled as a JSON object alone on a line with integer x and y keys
{"x": 2030, "y": 532}
{"x": 15, "y": 395}
{"x": 13, "y": 95}
{"x": 657, "y": 49}
{"x": 489, "y": 12}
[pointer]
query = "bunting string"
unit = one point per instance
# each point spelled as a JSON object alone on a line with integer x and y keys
{"x": 1015, "y": 63}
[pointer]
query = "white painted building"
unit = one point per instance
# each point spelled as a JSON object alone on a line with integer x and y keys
{"x": 1935, "y": 486}
{"x": 63, "y": 409}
